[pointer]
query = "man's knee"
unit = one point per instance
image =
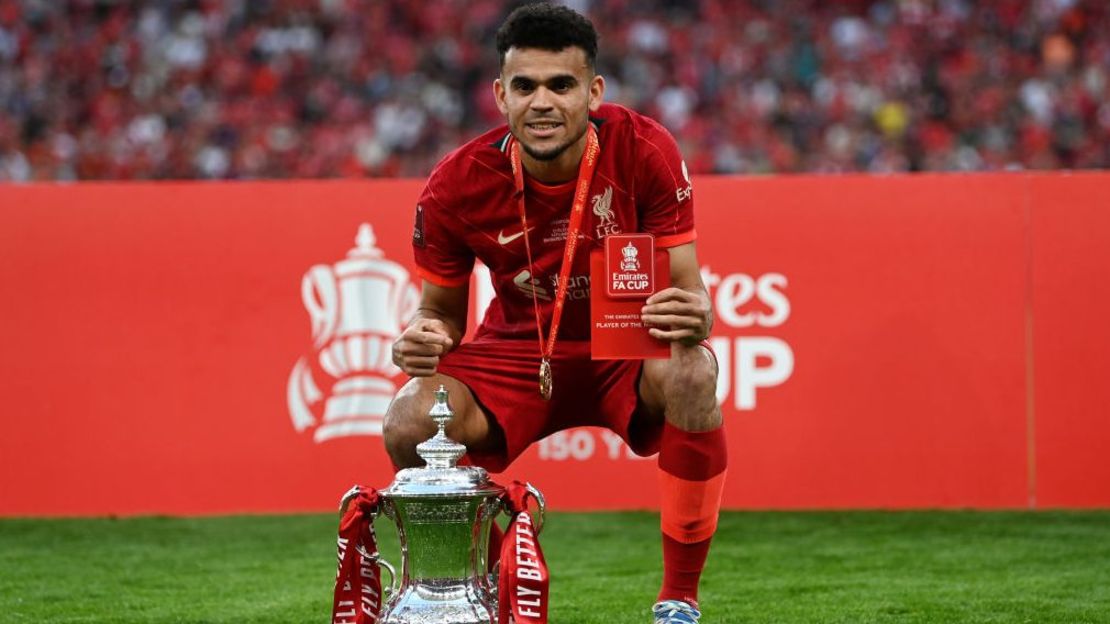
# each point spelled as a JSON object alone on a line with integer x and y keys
{"x": 690, "y": 374}
{"x": 695, "y": 374}
{"x": 406, "y": 423}
{"x": 687, "y": 384}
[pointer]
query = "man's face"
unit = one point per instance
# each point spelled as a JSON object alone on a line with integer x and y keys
{"x": 546, "y": 97}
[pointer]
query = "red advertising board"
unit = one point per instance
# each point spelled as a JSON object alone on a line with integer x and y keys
{"x": 905, "y": 341}
{"x": 1069, "y": 322}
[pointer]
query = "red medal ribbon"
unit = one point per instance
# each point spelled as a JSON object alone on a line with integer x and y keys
{"x": 358, "y": 583}
{"x": 586, "y": 168}
{"x": 522, "y": 588}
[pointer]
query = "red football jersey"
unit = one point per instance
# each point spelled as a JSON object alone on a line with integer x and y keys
{"x": 468, "y": 211}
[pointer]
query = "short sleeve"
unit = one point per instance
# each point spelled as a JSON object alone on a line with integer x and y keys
{"x": 441, "y": 255}
{"x": 665, "y": 197}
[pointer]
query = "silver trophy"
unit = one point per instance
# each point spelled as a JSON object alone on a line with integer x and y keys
{"x": 443, "y": 513}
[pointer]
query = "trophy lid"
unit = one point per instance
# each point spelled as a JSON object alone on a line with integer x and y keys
{"x": 441, "y": 475}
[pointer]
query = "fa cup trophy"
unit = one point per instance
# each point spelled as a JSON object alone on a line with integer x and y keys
{"x": 443, "y": 513}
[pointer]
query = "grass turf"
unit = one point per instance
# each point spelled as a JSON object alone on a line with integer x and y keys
{"x": 849, "y": 567}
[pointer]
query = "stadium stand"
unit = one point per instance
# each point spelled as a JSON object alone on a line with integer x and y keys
{"x": 97, "y": 89}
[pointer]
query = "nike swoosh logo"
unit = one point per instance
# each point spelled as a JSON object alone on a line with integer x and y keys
{"x": 505, "y": 240}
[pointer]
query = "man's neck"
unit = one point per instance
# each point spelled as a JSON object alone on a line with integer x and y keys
{"x": 561, "y": 169}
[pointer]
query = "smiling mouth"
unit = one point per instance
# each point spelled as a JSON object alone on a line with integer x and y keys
{"x": 543, "y": 126}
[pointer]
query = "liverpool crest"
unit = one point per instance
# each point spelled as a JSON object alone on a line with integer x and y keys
{"x": 603, "y": 210}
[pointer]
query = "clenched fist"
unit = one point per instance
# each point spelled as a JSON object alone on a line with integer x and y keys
{"x": 418, "y": 349}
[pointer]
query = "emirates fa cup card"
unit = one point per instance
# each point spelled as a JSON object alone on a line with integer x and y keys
{"x": 622, "y": 277}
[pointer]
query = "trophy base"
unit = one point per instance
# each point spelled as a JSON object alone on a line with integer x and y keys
{"x": 439, "y": 603}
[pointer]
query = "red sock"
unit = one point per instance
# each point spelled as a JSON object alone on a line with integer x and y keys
{"x": 682, "y": 566}
{"x": 692, "y": 468}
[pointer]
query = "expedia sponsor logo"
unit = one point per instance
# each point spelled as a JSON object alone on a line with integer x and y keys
{"x": 682, "y": 194}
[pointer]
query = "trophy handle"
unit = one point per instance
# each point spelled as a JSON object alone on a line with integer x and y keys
{"x": 346, "y": 500}
{"x": 394, "y": 582}
{"x": 543, "y": 506}
{"x": 493, "y": 581}
{"x": 380, "y": 561}
{"x": 375, "y": 557}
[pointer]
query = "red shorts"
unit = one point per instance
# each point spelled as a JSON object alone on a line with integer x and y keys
{"x": 503, "y": 375}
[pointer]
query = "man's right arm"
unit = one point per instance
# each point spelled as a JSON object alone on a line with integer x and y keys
{"x": 437, "y": 327}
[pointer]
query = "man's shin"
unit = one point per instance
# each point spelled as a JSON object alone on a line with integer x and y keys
{"x": 692, "y": 469}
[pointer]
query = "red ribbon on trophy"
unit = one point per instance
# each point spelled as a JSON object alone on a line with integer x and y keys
{"x": 523, "y": 584}
{"x": 358, "y": 583}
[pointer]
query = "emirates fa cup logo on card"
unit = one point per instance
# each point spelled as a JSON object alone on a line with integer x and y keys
{"x": 630, "y": 265}
{"x": 357, "y": 307}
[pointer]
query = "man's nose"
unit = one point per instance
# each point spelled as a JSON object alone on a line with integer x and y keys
{"x": 541, "y": 99}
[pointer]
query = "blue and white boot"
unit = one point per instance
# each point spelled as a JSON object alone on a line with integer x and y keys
{"x": 675, "y": 612}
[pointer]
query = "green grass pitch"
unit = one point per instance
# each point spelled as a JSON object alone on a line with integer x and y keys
{"x": 767, "y": 567}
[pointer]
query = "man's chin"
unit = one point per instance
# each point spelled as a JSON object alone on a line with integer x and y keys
{"x": 544, "y": 155}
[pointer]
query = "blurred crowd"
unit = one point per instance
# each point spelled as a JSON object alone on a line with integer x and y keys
{"x": 107, "y": 89}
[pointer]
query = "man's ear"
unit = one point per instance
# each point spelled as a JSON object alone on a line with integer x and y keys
{"x": 597, "y": 92}
{"x": 499, "y": 96}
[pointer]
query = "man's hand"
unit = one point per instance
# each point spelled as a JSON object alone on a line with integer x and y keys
{"x": 418, "y": 349}
{"x": 677, "y": 315}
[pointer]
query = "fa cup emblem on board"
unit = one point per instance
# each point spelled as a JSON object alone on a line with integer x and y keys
{"x": 357, "y": 308}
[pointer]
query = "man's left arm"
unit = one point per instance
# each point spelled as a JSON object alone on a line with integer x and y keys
{"x": 683, "y": 312}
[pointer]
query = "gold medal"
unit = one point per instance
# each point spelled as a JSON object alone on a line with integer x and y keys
{"x": 545, "y": 379}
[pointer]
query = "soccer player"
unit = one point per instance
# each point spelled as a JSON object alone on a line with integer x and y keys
{"x": 508, "y": 198}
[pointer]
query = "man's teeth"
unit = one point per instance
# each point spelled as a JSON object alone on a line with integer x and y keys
{"x": 543, "y": 126}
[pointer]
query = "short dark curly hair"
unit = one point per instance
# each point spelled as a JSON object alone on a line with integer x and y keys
{"x": 548, "y": 27}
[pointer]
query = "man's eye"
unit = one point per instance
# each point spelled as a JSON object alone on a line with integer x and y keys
{"x": 525, "y": 87}
{"x": 562, "y": 86}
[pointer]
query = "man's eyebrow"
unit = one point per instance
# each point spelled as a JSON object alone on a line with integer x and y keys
{"x": 558, "y": 78}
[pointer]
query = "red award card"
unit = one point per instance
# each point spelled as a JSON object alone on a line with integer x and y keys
{"x": 621, "y": 279}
